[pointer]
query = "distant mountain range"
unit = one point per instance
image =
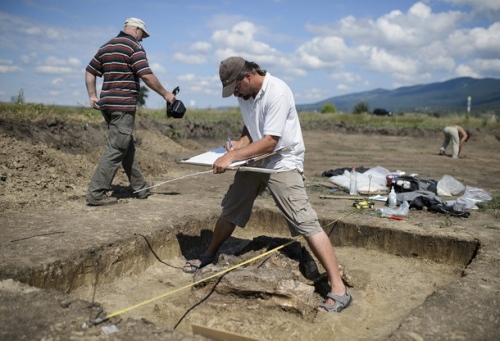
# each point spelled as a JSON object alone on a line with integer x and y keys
{"x": 448, "y": 96}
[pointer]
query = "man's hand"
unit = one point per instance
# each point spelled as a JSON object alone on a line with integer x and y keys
{"x": 93, "y": 102}
{"x": 169, "y": 97}
{"x": 244, "y": 149}
{"x": 222, "y": 163}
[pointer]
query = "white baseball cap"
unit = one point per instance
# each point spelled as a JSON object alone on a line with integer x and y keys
{"x": 137, "y": 23}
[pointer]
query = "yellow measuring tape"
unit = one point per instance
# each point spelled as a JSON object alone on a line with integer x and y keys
{"x": 119, "y": 312}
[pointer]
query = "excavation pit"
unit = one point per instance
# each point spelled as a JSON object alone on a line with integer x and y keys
{"x": 393, "y": 271}
{"x": 51, "y": 240}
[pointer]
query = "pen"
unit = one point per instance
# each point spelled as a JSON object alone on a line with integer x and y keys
{"x": 230, "y": 143}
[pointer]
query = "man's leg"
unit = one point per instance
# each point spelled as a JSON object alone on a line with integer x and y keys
{"x": 455, "y": 143}
{"x": 323, "y": 250}
{"x": 111, "y": 159}
{"x": 133, "y": 171}
{"x": 291, "y": 198}
{"x": 446, "y": 141}
{"x": 222, "y": 231}
{"x": 236, "y": 210}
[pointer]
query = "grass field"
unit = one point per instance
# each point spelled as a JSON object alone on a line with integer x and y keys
{"x": 29, "y": 111}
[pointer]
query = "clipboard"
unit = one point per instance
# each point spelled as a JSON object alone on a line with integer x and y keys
{"x": 207, "y": 159}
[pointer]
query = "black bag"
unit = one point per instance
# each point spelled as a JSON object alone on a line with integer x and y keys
{"x": 176, "y": 109}
{"x": 435, "y": 206}
{"x": 411, "y": 183}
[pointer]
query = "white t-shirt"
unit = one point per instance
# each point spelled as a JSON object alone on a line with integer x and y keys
{"x": 273, "y": 112}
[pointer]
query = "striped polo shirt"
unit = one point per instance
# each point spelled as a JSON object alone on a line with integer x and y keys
{"x": 122, "y": 61}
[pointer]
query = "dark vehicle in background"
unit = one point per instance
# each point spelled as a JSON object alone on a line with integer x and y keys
{"x": 381, "y": 112}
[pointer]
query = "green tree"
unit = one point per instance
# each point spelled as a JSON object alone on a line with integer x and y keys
{"x": 20, "y": 97}
{"x": 141, "y": 97}
{"x": 361, "y": 108}
{"x": 328, "y": 108}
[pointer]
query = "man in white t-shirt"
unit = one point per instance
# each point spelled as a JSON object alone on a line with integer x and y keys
{"x": 271, "y": 122}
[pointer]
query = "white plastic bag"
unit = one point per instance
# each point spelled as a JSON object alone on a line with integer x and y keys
{"x": 448, "y": 186}
{"x": 401, "y": 211}
{"x": 364, "y": 182}
{"x": 472, "y": 196}
{"x": 343, "y": 180}
{"x": 373, "y": 180}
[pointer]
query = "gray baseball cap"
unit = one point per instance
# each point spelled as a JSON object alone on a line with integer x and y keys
{"x": 229, "y": 70}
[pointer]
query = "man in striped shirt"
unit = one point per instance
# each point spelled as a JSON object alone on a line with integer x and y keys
{"x": 122, "y": 62}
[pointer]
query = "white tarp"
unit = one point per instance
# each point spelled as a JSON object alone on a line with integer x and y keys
{"x": 377, "y": 182}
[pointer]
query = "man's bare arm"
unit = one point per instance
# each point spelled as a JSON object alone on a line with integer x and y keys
{"x": 90, "y": 83}
{"x": 154, "y": 84}
{"x": 265, "y": 145}
{"x": 463, "y": 137}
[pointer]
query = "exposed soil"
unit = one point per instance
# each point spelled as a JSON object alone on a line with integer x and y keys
{"x": 45, "y": 168}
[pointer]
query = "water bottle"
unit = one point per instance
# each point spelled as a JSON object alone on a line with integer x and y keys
{"x": 353, "y": 185}
{"x": 392, "y": 202}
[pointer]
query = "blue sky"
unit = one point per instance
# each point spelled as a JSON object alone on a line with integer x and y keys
{"x": 321, "y": 48}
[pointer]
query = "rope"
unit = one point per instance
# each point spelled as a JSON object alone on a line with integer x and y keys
{"x": 182, "y": 177}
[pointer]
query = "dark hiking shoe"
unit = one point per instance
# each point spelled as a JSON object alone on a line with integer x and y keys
{"x": 103, "y": 201}
{"x": 144, "y": 194}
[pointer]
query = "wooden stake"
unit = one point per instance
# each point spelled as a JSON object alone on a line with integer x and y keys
{"x": 348, "y": 197}
{"x": 219, "y": 335}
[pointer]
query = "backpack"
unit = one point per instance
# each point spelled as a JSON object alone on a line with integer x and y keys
{"x": 411, "y": 183}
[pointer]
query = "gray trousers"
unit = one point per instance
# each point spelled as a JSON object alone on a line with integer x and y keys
{"x": 289, "y": 194}
{"x": 451, "y": 134}
{"x": 120, "y": 150}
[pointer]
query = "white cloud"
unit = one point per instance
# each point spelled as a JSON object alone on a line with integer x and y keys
{"x": 415, "y": 29}
{"x": 479, "y": 68}
{"x": 51, "y": 69}
{"x": 241, "y": 39}
{"x": 435, "y": 57}
{"x": 346, "y": 77}
{"x": 482, "y": 42}
{"x": 409, "y": 47}
{"x": 157, "y": 68}
{"x": 7, "y": 66}
{"x": 201, "y": 47}
{"x": 478, "y": 5}
{"x": 189, "y": 58}
{"x": 312, "y": 94}
{"x": 324, "y": 52}
{"x": 54, "y": 65}
{"x": 58, "y": 82}
{"x": 31, "y": 30}
{"x": 381, "y": 60}
{"x": 208, "y": 85}
{"x": 466, "y": 71}
{"x": 187, "y": 77}
{"x": 53, "y": 34}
